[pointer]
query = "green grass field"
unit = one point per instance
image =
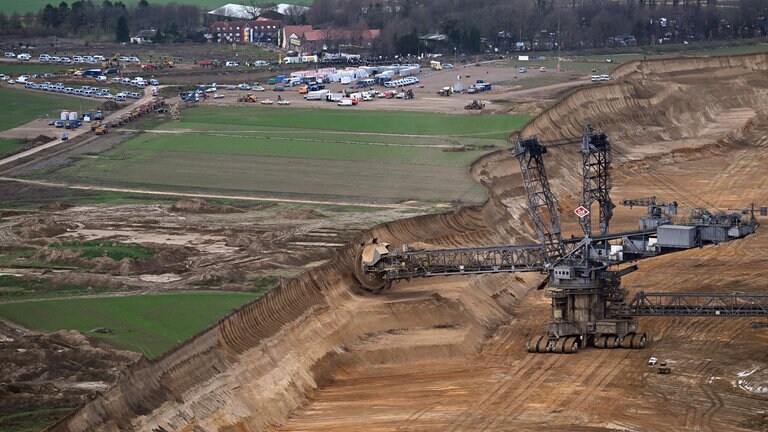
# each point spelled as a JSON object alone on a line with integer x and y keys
{"x": 111, "y": 249}
{"x": 330, "y": 155}
{"x": 32, "y": 421}
{"x": 16, "y": 69}
{"x": 9, "y": 144}
{"x": 382, "y": 122}
{"x": 22, "y": 106}
{"x": 150, "y": 324}
{"x": 11, "y": 6}
{"x": 23, "y": 288}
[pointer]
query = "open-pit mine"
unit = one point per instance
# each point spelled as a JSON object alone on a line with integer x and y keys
{"x": 319, "y": 353}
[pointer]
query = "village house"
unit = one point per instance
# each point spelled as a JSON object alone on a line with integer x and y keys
{"x": 144, "y": 36}
{"x": 258, "y": 30}
{"x": 305, "y": 39}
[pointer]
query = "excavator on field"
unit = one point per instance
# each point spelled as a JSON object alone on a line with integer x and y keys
{"x": 475, "y": 105}
{"x": 249, "y": 98}
{"x": 582, "y": 274}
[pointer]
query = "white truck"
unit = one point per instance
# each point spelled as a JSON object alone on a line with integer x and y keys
{"x": 317, "y": 94}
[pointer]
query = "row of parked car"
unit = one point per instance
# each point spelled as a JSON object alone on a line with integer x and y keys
{"x": 87, "y": 91}
{"x": 47, "y": 58}
{"x": 402, "y": 82}
{"x": 135, "y": 82}
{"x": 22, "y": 56}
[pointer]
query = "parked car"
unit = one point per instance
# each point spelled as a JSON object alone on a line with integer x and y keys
{"x": 24, "y": 57}
{"x": 10, "y": 55}
{"x": 243, "y": 86}
{"x": 231, "y": 64}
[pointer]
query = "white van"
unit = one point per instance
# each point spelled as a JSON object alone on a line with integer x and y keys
{"x": 24, "y": 57}
{"x": 44, "y": 58}
{"x": 345, "y": 102}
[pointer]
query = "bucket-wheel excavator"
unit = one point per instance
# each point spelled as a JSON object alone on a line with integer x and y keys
{"x": 583, "y": 275}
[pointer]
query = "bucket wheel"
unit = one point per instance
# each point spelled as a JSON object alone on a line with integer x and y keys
{"x": 372, "y": 282}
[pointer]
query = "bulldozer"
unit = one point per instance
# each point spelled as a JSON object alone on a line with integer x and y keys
{"x": 101, "y": 130}
{"x": 250, "y": 97}
{"x": 475, "y": 105}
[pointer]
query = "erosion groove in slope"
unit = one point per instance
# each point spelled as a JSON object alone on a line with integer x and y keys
{"x": 262, "y": 361}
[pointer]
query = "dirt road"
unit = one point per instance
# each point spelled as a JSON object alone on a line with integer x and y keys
{"x": 34, "y": 127}
{"x": 206, "y": 196}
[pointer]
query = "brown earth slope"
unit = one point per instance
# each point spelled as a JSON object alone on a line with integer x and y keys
{"x": 447, "y": 354}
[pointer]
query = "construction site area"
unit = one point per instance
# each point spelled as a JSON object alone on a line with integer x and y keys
{"x": 603, "y": 268}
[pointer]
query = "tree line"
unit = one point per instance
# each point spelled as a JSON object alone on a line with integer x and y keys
{"x": 466, "y": 26}
{"x": 173, "y": 21}
{"x": 477, "y": 26}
